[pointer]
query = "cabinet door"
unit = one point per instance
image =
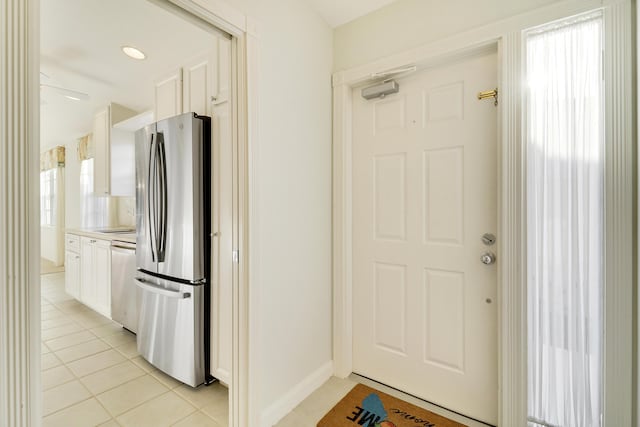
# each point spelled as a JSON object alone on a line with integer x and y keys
{"x": 87, "y": 273}
{"x": 222, "y": 220}
{"x": 102, "y": 268}
{"x": 168, "y": 95}
{"x": 197, "y": 86}
{"x": 102, "y": 155}
{"x": 72, "y": 274}
{"x": 222, "y": 73}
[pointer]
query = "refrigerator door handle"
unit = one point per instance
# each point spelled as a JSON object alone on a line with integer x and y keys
{"x": 162, "y": 190}
{"x": 150, "y": 198}
{"x": 148, "y": 286}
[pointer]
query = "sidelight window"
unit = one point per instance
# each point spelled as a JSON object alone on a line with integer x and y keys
{"x": 565, "y": 222}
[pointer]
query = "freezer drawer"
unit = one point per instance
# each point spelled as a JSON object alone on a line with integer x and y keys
{"x": 170, "y": 327}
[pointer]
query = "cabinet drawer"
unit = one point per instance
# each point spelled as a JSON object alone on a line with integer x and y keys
{"x": 72, "y": 242}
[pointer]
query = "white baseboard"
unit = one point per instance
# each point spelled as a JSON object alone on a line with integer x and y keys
{"x": 284, "y": 405}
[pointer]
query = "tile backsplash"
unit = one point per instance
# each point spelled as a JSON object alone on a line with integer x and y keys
{"x": 126, "y": 211}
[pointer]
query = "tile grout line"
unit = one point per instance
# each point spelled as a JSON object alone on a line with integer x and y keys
{"x": 155, "y": 397}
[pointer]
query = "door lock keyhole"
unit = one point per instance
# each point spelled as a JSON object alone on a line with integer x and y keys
{"x": 488, "y": 239}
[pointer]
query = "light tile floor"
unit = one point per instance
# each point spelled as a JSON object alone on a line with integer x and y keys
{"x": 92, "y": 374}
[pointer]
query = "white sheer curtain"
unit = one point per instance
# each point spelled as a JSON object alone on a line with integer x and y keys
{"x": 48, "y": 193}
{"x": 565, "y": 223}
{"x": 94, "y": 210}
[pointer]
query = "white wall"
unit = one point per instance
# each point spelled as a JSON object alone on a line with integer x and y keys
{"x": 49, "y": 246}
{"x": 52, "y": 237}
{"x": 406, "y": 24}
{"x": 72, "y": 185}
{"x": 293, "y": 201}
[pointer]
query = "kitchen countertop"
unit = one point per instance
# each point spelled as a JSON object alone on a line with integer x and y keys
{"x": 97, "y": 234}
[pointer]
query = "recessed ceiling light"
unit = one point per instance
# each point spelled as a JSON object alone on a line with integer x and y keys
{"x": 133, "y": 52}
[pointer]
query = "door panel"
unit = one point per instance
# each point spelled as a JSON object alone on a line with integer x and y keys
{"x": 102, "y": 268}
{"x": 87, "y": 272}
{"x": 424, "y": 193}
{"x": 72, "y": 274}
{"x": 101, "y": 143}
{"x": 168, "y": 95}
{"x": 185, "y": 235}
{"x": 222, "y": 220}
{"x": 182, "y": 140}
{"x": 198, "y": 84}
{"x": 144, "y": 256}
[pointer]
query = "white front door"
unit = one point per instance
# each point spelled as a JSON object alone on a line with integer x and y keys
{"x": 424, "y": 194}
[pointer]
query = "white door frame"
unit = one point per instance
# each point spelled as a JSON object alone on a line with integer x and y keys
{"x": 244, "y": 58}
{"x": 20, "y": 384}
{"x": 512, "y": 307}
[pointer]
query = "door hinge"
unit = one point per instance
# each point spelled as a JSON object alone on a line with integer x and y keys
{"x": 235, "y": 256}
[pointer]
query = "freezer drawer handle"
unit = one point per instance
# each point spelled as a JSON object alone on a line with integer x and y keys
{"x": 147, "y": 286}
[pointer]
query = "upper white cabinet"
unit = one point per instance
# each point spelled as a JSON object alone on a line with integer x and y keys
{"x": 114, "y": 163}
{"x": 168, "y": 95}
{"x": 197, "y": 85}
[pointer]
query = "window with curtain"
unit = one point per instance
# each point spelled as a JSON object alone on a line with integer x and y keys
{"x": 48, "y": 183}
{"x": 565, "y": 222}
{"x": 94, "y": 210}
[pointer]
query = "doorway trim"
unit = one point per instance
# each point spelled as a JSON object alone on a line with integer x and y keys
{"x": 20, "y": 385}
{"x": 512, "y": 307}
{"x": 343, "y": 190}
{"x": 244, "y": 72}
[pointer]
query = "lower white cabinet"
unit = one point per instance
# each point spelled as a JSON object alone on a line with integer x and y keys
{"x": 72, "y": 274}
{"x": 95, "y": 274}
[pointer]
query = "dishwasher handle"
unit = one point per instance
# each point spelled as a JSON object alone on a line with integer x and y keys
{"x": 124, "y": 249}
{"x": 148, "y": 286}
{"x": 123, "y": 245}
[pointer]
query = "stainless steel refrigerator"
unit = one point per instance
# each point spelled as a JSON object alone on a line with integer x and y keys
{"x": 173, "y": 206}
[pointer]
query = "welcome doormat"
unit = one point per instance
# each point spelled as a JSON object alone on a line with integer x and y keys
{"x": 367, "y": 407}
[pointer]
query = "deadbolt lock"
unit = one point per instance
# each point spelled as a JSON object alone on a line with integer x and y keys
{"x": 488, "y": 239}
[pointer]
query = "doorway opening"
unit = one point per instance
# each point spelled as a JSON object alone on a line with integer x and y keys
{"x": 187, "y": 69}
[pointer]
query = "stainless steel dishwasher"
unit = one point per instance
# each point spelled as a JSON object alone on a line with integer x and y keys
{"x": 124, "y": 300}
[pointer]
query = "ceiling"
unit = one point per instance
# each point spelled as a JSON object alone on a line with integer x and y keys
{"x": 338, "y": 12}
{"x": 81, "y": 50}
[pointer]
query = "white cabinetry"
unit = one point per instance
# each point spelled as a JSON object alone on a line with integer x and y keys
{"x": 197, "y": 85}
{"x": 203, "y": 85}
{"x": 168, "y": 95}
{"x": 114, "y": 164}
{"x": 222, "y": 211}
{"x": 95, "y": 274}
{"x": 72, "y": 265}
